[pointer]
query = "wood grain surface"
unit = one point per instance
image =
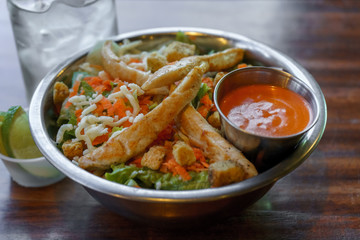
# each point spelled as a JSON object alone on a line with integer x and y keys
{"x": 319, "y": 200}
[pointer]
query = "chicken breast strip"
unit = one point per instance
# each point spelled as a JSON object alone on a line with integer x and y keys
{"x": 202, "y": 135}
{"x": 223, "y": 60}
{"x": 172, "y": 73}
{"x": 118, "y": 69}
{"x": 135, "y": 139}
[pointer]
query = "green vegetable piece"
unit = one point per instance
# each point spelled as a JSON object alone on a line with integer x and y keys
{"x": 147, "y": 178}
{"x": 115, "y": 129}
{"x": 70, "y": 134}
{"x": 204, "y": 89}
{"x": 16, "y": 135}
{"x": 121, "y": 173}
{"x": 2, "y": 147}
{"x": 182, "y": 37}
{"x": 88, "y": 90}
{"x": 152, "y": 106}
{"x": 67, "y": 115}
{"x": 131, "y": 183}
{"x": 75, "y": 76}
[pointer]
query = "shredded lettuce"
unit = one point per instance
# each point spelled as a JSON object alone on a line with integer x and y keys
{"x": 67, "y": 115}
{"x": 152, "y": 106}
{"x": 182, "y": 37}
{"x": 115, "y": 129}
{"x": 146, "y": 178}
{"x": 88, "y": 90}
{"x": 68, "y": 135}
{"x": 76, "y": 75}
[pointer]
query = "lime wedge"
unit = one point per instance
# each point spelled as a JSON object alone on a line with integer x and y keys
{"x": 16, "y": 135}
{"x": 2, "y": 147}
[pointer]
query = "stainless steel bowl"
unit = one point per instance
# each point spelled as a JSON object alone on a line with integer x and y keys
{"x": 167, "y": 208}
{"x": 264, "y": 151}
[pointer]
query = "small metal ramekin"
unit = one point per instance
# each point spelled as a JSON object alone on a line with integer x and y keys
{"x": 264, "y": 151}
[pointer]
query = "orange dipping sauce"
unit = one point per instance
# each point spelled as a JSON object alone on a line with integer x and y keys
{"x": 266, "y": 110}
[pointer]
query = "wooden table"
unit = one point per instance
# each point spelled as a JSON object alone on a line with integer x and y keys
{"x": 319, "y": 200}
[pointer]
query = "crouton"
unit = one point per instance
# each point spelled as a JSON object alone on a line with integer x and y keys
{"x": 178, "y": 50}
{"x": 154, "y": 157}
{"x": 61, "y": 92}
{"x": 214, "y": 120}
{"x": 218, "y": 76}
{"x": 225, "y": 172}
{"x": 155, "y": 61}
{"x": 183, "y": 153}
{"x": 72, "y": 149}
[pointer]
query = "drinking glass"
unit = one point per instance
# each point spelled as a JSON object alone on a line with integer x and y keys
{"x": 49, "y": 31}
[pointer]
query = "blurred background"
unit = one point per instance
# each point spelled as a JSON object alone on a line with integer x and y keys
{"x": 135, "y": 15}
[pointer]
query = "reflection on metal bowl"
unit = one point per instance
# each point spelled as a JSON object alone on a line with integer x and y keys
{"x": 178, "y": 207}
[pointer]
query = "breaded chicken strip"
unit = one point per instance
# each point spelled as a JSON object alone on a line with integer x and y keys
{"x": 222, "y": 60}
{"x": 201, "y": 134}
{"x": 119, "y": 69}
{"x": 172, "y": 73}
{"x": 135, "y": 139}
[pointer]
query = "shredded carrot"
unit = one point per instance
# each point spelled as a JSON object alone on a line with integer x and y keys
{"x": 106, "y": 105}
{"x": 99, "y": 109}
{"x": 213, "y": 108}
{"x": 78, "y": 114}
{"x": 206, "y": 100}
{"x": 203, "y": 110}
{"x": 144, "y": 109}
{"x": 118, "y": 81}
{"x": 97, "y": 67}
{"x": 241, "y": 65}
{"x": 99, "y": 85}
{"x": 165, "y": 135}
{"x": 127, "y": 124}
{"x": 196, "y": 167}
{"x": 205, "y": 164}
{"x": 199, "y": 155}
{"x": 107, "y": 84}
{"x": 93, "y": 81}
{"x": 176, "y": 169}
{"x": 101, "y": 139}
{"x": 136, "y": 162}
{"x": 168, "y": 145}
{"x": 120, "y": 108}
{"x": 116, "y": 89}
{"x": 144, "y": 100}
{"x": 74, "y": 91}
{"x": 206, "y": 105}
{"x": 134, "y": 60}
{"x": 209, "y": 82}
